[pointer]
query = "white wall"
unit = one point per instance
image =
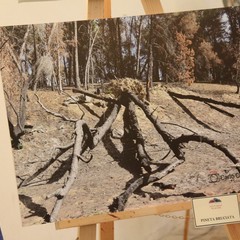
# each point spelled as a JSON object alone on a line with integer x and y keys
{"x": 12, "y": 12}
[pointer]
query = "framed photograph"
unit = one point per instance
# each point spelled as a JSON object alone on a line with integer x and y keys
{"x": 111, "y": 115}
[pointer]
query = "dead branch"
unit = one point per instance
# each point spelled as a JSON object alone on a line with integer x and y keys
{"x": 203, "y": 99}
{"x": 211, "y": 142}
{"x": 77, "y": 149}
{"x": 54, "y": 113}
{"x": 101, "y": 131}
{"x": 120, "y": 202}
{"x": 60, "y": 152}
{"x": 106, "y": 99}
{"x": 177, "y": 125}
{"x": 3, "y": 44}
{"x": 220, "y": 110}
{"x": 80, "y": 145}
{"x": 83, "y": 113}
{"x": 191, "y": 115}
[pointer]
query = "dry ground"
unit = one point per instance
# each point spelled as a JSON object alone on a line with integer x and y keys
{"x": 107, "y": 175}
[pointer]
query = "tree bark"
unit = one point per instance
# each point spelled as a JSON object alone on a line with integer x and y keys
{"x": 77, "y": 79}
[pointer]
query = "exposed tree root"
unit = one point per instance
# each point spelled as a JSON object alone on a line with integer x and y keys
{"x": 176, "y": 146}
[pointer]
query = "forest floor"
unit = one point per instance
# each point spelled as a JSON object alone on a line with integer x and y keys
{"x": 108, "y": 173}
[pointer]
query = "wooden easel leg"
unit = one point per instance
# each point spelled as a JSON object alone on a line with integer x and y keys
{"x": 99, "y": 9}
{"x": 87, "y": 232}
{"x": 233, "y": 231}
{"x": 186, "y": 225}
{"x": 107, "y": 9}
{"x": 152, "y": 6}
{"x": 107, "y": 231}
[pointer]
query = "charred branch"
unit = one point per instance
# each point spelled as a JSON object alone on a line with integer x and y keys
{"x": 96, "y": 96}
{"x": 136, "y": 134}
{"x": 220, "y": 110}
{"x": 167, "y": 137}
{"x": 120, "y": 202}
{"x": 60, "y": 151}
{"x": 77, "y": 149}
{"x": 101, "y": 131}
{"x": 202, "y": 139}
{"x": 204, "y": 99}
{"x": 191, "y": 115}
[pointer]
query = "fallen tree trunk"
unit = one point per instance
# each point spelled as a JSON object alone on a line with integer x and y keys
{"x": 89, "y": 138}
{"x": 77, "y": 149}
{"x": 136, "y": 134}
{"x": 176, "y": 145}
{"x": 168, "y": 138}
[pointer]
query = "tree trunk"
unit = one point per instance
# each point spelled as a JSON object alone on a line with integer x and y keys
{"x": 88, "y": 64}
{"x": 59, "y": 63}
{"x": 150, "y": 61}
{"x": 138, "y": 48}
{"x": 150, "y": 73}
{"x": 77, "y": 79}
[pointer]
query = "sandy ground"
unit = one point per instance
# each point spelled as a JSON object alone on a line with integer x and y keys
{"x": 110, "y": 171}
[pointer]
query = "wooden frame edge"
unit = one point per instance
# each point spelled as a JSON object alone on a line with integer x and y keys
{"x": 109, "y": 217}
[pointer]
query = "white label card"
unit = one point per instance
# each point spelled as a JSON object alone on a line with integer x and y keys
{"x": 216, "y": 210}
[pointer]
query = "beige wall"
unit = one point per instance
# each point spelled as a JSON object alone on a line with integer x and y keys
{"x": 12, "y": 13}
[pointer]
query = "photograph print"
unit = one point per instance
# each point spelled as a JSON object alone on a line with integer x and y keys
{"x": 119, "y": 114}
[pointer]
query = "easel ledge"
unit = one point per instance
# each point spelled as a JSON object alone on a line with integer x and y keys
{"x": 88, "y": 226}
{"x": 103, "y": 218}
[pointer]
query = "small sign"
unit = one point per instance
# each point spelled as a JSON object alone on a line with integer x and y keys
{"x": 216, "y": 210}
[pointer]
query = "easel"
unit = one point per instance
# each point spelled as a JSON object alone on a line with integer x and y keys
{"x": 88, "y": 227}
